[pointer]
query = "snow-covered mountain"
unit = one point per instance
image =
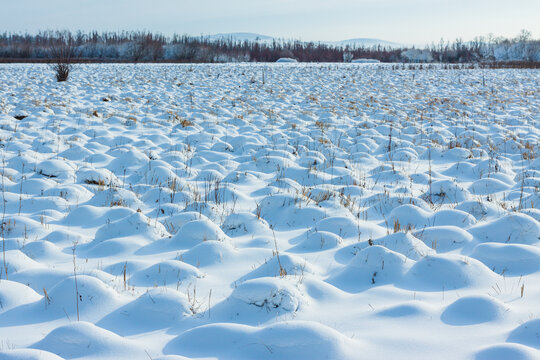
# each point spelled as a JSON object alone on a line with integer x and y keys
{"x": 241, "y": 36}
{"x": 366, "y": 42}
{"x": 357, "y": 42}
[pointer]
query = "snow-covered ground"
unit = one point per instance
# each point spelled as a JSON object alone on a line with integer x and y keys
{"x": 269, "y": 211}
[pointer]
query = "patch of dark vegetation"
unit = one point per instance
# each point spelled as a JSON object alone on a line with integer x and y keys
{"x": 511, "y": 65}
{"x": 62, "y": 52}
{"x": 99, "y": 182}
{"x": 51, "y": 176}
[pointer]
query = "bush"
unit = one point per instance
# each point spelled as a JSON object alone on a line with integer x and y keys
{"x": 62, "y": 71}
{"x": 62, "y": 54}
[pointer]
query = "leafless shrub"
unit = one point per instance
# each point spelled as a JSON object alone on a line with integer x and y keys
{"x": 62, "y": 53}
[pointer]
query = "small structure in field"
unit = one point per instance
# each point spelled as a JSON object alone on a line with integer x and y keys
{"x": 365, "y": 61}
{"x": 286, "y": 60}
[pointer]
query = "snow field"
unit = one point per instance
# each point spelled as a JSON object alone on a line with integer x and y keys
{"x": 269, "y": 211}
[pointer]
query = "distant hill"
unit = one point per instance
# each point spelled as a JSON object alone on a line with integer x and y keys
{"x": 366, "y": 42}
{"x": 241, "y": 36}
{"x": 359, "y": 42}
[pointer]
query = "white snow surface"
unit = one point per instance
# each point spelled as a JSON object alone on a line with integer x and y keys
{"x": 297, "y": 211}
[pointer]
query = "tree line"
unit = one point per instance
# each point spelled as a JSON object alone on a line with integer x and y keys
{"x": 136, "y": 46}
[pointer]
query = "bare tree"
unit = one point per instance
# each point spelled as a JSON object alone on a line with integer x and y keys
{"x": 62, "y": 53}
{"x": 59, "y": 48}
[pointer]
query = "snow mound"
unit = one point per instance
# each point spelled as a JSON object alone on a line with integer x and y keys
{"x": 317, "y": 241}
{"x": 269, "y": 293}
{"x": 15, "y": 261}
{"x": 17, "y": 227}
{"x": 508, "y": 351}
{"x": 160, "y": 175}
{"x": 512, "y": 228}
{"x": 40, "y": 277}
{"x": 92, "y": 216}
{"x": 13, "y": 294}
{"x": 448, "y": 271}
{"x": 34, "y": 186}
{"x": 176, "y": 221}
{"x": 527, "y": 334}
{"x": 197, "y": 231}
{"x": 115, "y": 197}
{"x": 286, "y": 265}
{"x": 99, "y": 177}
{"x": 283, "y": 340}
{"x": 283, "y": 212}
{"x": 153, "y": 310}
{"x": 446, "y": 192}
{"x": 95, "y": 298}
{"x": 85, "y": 340}
{"x": 129, "y": 267}
{"x": 134, "y": 225}
{"x": 209, "y": 253}
{"x": 444, "y": 238}
{"x": 44, "y": 251}
{"x": 28, "y": 354}
{"x": 123, "y": 236}
{"x": 508, "y": 259}
{"x": 452, "y": 217}
{"x": 346, "y": 227}
{"x": 76, "y": 152}
{"x": 472, "y": 310}
{"x": 409, "y": 215}
{"x": 488, "y": 186}
{"x": 243, "y": 223}
{"x": 169, "y": 272}
{"x": 131, "y": 158}
{"x": 405, "y": 244}
{"x": 372, "y": 266}
{"x": 56, "y": 169}
{"x": 481, "y": 210}
{"x": 191, "y": 234}
{"x": 410, "y": 309}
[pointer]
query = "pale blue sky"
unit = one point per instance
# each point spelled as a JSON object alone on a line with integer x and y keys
{"x": 405, "y": 21}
